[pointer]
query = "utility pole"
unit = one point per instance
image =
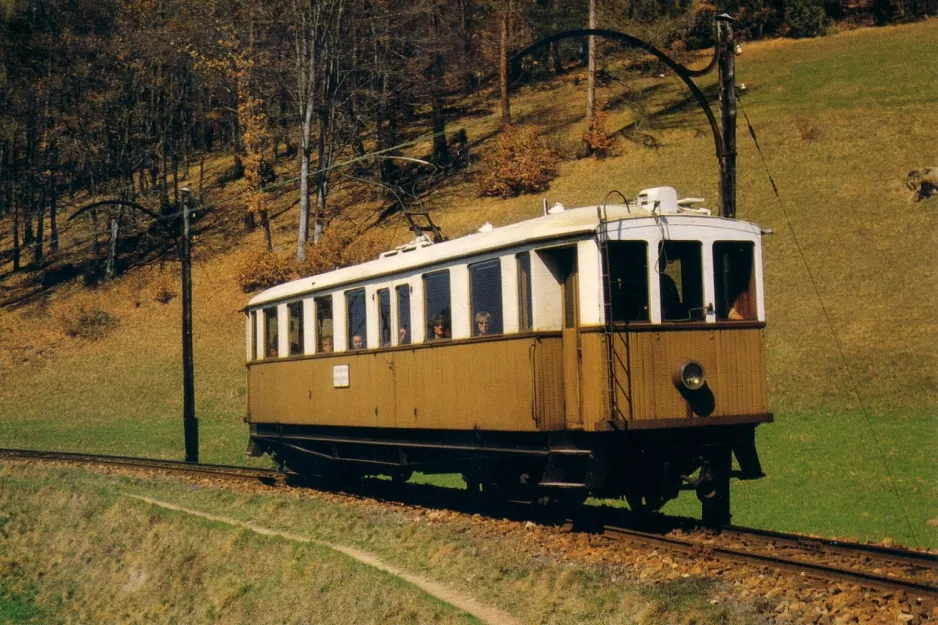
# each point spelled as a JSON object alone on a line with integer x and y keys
{"x": 190, "y": 423}
{"x": 727, "y": 64}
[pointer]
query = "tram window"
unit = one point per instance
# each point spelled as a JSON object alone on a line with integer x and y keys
{"x": 295, "y": 325}
{"x": 253, "y": 335}
{"x": 524, "y": 291}
{"x": 485, "y": 296}
{"x": 680, "y": 274}
{"x": 403, "y": 314}
{"x": 355, "y": 305}
{"x": 270, "y": 332}
{"x": 439, "y": 319}
{"x": 628, "y": 280}
{"x": 735, "y": 280}
{"x": 324, "y": 324}
{"x": 384, "y": 317}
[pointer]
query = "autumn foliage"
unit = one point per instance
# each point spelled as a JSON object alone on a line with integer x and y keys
{"x": 597, "y": 138}
{"x": 522, "y": 164}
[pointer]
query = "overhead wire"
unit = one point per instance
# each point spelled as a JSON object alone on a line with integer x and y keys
{"x": 830, "y": 325}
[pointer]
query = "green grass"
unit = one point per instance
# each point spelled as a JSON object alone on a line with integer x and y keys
{"x": 78, "y": 539}
{"x": 844, "y": 223}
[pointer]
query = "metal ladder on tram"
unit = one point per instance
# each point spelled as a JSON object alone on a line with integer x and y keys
{"x": 609, "y": 333}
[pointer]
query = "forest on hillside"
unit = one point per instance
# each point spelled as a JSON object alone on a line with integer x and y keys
{"x": 124, "y": 99}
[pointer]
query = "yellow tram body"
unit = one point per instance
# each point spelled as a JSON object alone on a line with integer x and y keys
{"x": 598, "y": 312}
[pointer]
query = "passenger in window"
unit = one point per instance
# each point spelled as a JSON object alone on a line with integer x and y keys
{"x": 483, "y": 320}
{"x": 402, "y": 336}
{"x": 357, "y": 342}
{"x": 440, "y": 327}
{"x": 671, "y": 307}
{"x": 326, "y": 344}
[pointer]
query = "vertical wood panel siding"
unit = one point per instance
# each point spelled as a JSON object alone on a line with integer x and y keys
{"x": 512, "y": 384}
{"x": 734, "y": 361}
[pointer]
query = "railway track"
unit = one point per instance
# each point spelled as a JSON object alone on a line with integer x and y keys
{"x": 267, "y": 476}
{"x": 870, "y": 566}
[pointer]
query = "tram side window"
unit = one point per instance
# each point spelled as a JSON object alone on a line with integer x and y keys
{"x": 735, "y": 280}
{"x": 524, "y": 291}
{"x": 384, "y": 317}
{"x": 253, "y": 335}
{"x": 680, "y": 274}
{"x": 295, "y": 319}
{"x": 628, "y": 280}
{"x": 355, "y": 305}
{"x": 270, "y": 332}
{"x": 324, "y": 324}
{"x": 485, "y": 297}
{"x": 403, "y": 314}
{"x": 439, "y": 317}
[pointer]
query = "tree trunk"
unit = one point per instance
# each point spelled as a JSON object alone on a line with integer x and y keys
{"x": 305, "y": 150}
{"x": 53, "y": 210}
{"x": 111, "y": 269}
{"x": 503, "y": 65}
{"x": 321, "y": 181}
{"x": 16, "y": 227}
{"x": 437, "y": 77}
{"x": 591, "y": 70}
{"x": 465, "y": 31}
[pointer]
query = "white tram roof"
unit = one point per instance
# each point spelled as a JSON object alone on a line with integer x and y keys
{"x": 555, "y": 225}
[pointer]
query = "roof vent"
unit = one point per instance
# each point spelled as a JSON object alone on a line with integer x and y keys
{"x": 660, "y": 200}
{"x": 556, "y": 209}
{"x": 486, "y": 227}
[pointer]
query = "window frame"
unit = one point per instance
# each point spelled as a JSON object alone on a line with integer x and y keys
{"x": 525, "y": 291}
{"x": 271, "y": 339}
{"x": 384, "y": 317}
{"x": 404, "y": 321}
{"x": 750, "y": 309}
{"x": 644, "y": 246}
{"x": 496, "y": 314}
{"x": 428, "y": 317}
{"x": 317, "y": 302}
{"x": 682, "y": 291}
{"x": 300, "y": 346}
{"x": 363, "y": 330}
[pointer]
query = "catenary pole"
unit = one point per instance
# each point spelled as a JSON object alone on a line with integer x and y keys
{"x": 727, "y": 69}
{"x": 190, "y": 423}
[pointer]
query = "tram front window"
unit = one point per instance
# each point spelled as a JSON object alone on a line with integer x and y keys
{"x": 680, "y": 278}
{"x": 735, "y": 280}
{"x": 628, "y": 280}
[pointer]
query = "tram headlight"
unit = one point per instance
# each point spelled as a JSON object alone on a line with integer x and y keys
{"x": 689, "y": 375}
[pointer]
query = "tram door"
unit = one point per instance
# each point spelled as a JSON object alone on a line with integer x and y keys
{"x": 569, "y": 285}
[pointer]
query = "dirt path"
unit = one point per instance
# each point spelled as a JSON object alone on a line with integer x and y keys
{"x": 483, "y": 612}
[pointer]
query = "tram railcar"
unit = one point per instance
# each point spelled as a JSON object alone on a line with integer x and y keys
{"x": 611, "y": 351}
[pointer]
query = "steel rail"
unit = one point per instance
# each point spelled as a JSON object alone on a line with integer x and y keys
{"x": 221, "y": 470}
{"x": 901, "y": 553}
{"x": 818, "y": 571}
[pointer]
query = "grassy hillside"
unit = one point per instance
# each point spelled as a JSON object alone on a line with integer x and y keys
{"x": 841, "y": 120}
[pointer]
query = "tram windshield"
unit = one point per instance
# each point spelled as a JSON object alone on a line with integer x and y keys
{"x": 735, "y": 280}
{"x": 628, "y": 280}
{"x": 680, "y": 278}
